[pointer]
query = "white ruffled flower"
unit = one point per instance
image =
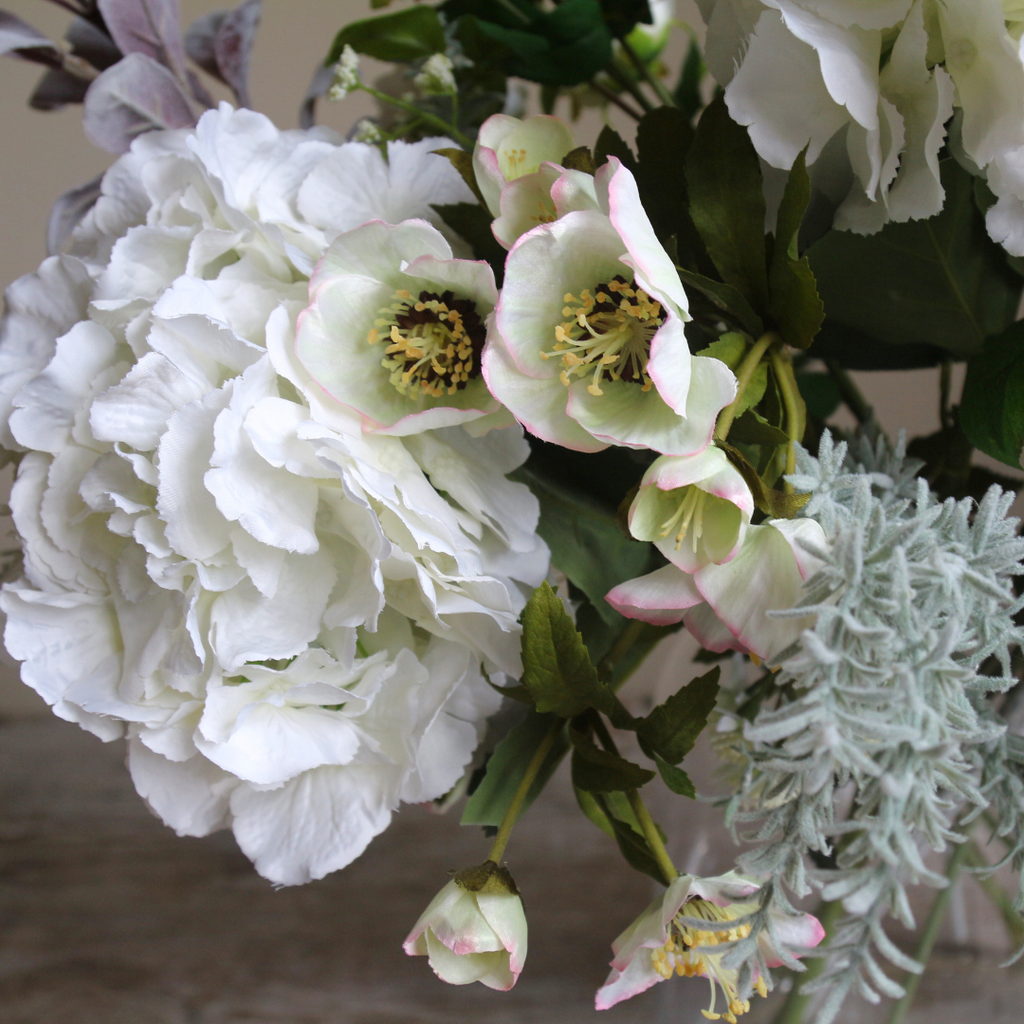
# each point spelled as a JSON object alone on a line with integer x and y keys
{"x": 797, "y": 72}
{"x": 288, "y": 615}
{"x": 588, "y": 348}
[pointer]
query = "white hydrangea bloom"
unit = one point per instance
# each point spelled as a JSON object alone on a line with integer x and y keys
{"x": 868, "y": 86}
{"x": 287, "y": 617}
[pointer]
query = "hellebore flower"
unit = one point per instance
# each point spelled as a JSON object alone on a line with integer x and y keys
{"x": 726, "y": 606}
{"x": 395, "y": 328}
{"x": 474, "y": 929}
{"x": 587, "y": 348}
{"x": 664, "y": 941}
{"x": 695, "y": 509}
{"x": 508, "y": 148}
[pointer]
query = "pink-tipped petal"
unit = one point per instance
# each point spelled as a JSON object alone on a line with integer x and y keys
{"x": 638, "y": 977}
{"x": 709, "y": 630}
{"x": 504, "y": 914}
{"x": 660, "y": 597}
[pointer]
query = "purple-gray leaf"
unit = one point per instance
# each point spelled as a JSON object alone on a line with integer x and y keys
{"x": 199, "y": 39}
{"x": 19, "y": 39}
{"x": 151, "y": 27}
{"x": 56, "y": 89}
{"x": 233, "y": 47}
{"x": 69, "y": 209}
{"x": 136, "y": 95}
{"x": 318, "y": 87}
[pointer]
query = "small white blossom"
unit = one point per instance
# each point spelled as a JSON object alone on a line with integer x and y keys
{"x": 346, "y": 75}
{"x": 437, "y": 76}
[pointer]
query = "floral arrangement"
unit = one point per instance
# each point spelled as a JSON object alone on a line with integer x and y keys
{"x": 326, "y": 449}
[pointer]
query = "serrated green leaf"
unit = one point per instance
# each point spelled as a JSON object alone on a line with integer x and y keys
{"x": 687, "y": 92}
{"x": 672, "y": 728}
{"x": 600, "y": 771}
{"x": 632, "y": 844}
{"x": 795, "y": 307}
{"x": 610, "y": 143}
{"x": 726, "y": 298}
{"x": 473, "y": 223}
{"x": 507, "y": 766}
{"x": 663, "y": 139}
{"x": 579, "y": 159}
{"x": 992, "y": 404}
{"x": 675, "y": 778}
{"x": 557, "y": 669}
{"x": 723, "y": 177}
{"x": 940, "y": 282}
{"x": 750, "y": 428}
{"x": 405, "y": 35}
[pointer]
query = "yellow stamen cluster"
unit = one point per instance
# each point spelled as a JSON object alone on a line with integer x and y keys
{"x": 689, "y": 953}
{"x": 607, "y": 333}
{"x": 690, "y": 512}
{"x": 515, "y": 160}
{"x": 434, "y": 343}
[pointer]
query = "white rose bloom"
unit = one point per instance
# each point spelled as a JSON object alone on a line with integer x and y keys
{"x": 287, "y": 617}
{"x": 869, "y": 85}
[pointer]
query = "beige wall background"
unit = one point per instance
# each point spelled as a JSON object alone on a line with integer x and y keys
{"x": 44, "y": 154}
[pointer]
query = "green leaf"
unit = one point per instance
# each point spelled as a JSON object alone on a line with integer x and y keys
{"x": 663, "y": 139}
{"x": 687, "y": 92}
{"x": 672, "y": 728}
{"x": 507, "y": 766}
{"x": 579, "y": 159}
{"x": 557, "y": 669}
{"x": 820, "y": 394}
{"x": 631, "y": 840}
{"x": 622, "y": 16}
{"x": 463, "y": 163}
{"x": 723, "y": 176}
{"x": 776, "y": 504}
{"x": 675, "y": 778}
{"x": 617, "y": 807}
{"x": 473, "y": 223}
{"x": 992, "y": 404}
{"x": 728, "y": 299}
{"x": 795, "y": 307}
{"x": 405, "y": 35}
{"x": 750, "y": 428}
{"x": 564, "y": 46}
{"x": 601, "y": 771}
{"x": 730, "y": 348}
{"x": 586, "y": 544}
{"x": 936, "y": 282}
{"x": 610, "y": 143}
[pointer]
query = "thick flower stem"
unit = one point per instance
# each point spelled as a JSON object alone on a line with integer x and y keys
{"x": 796, "y": 411}
{"x": 651, "y": 79}
{"x": 793, "y": 1009}
{"x": 631, "y": 87}
{"x": 930, "y": 934}
{"x": 611, "y": 97}
{"x": 508, "y": 822}
{"x": 744, "y": 374}
{"x": 449, "y": 129}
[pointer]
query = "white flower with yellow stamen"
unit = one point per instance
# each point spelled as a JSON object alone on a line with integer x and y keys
{"x": 589, "y": 349}
{"x": 669, "y": 937}
{"x": 395, "y": 329}
{"x": 694, "y": 509}
{"x": 508, "y": 148}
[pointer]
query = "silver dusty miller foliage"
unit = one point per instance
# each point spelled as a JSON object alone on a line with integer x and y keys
{"x": 883, "y": 707}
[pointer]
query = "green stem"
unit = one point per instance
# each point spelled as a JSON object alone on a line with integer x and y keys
{"x": 650, "y": 831}
{"x": 793, "y": 1009}
{"x": 625, "y": 640}
{"x": 611, "y": 97}
{"x": 744, "y": 375}
{"x": 852, "y": 395}
{"x": 508, "y": 822}
{"x": 930, "y": 934}
{"x": 945, "y": 387}
{"x": 651, "y": 79}
{"x": 614, "y": 71}
{"x": 643, "y": 816}
{"x": 432, "y": 119}
{"x": 796, "y": 411}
